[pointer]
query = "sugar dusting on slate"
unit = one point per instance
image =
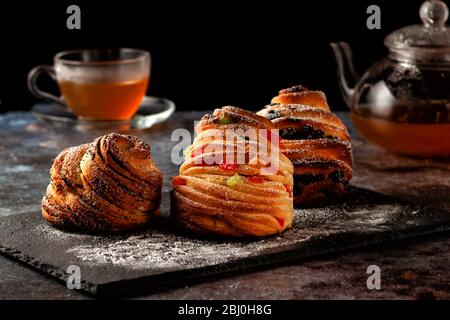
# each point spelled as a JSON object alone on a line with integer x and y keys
{"x": 165, "y": 251}
{"x": 158, "y": 250}
{"x": 143, "y": 252}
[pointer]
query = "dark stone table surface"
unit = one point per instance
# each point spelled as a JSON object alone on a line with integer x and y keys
{"x": 410, "y": 269}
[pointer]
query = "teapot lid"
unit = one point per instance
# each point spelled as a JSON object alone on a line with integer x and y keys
{"x": 428, "y": 42}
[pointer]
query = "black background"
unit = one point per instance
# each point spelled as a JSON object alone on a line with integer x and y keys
{"x": 204, "y": 54}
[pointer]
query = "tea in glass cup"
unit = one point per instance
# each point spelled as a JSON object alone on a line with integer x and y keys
{"x": 98, "y": 84}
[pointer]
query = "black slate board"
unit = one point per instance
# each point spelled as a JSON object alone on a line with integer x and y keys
{"x": 154, "y": 259}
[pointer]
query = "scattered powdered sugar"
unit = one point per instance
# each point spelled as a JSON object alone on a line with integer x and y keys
{"x": 166, "y": 252}
{"x": 156, "y": 250}
{"x": 159, "y": 251}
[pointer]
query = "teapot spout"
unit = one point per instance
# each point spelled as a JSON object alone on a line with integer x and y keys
{"x": 347, "y": 76}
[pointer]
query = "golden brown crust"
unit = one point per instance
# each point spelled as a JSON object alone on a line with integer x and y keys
{"x": 315, "y": 140}
{"x": 303, "y": 96}
{"x": 109, "y": 185}
{"x": 203, "y": 199}
{"x": 238, "y": 118}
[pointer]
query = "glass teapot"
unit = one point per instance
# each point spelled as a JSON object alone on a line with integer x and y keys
{"x": 402, "y": 102}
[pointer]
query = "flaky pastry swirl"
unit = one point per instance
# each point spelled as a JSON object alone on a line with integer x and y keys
{"x": 230, "y": 198}
{"x": 109, "y": 185}
{"x": 315, "y": 140}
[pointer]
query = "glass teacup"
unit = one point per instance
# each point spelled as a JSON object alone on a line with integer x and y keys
{"x": 100, "y": 84}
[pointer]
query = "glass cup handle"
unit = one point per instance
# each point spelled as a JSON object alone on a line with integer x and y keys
{"x": 33, "y": 75}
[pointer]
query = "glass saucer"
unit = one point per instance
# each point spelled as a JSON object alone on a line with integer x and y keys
{"x": 152, "y": 111}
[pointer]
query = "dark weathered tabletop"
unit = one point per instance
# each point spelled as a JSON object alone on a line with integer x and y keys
{"x": 409, "y": 269}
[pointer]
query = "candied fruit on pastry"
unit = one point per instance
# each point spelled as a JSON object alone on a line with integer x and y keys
{"x": 224, "y": 188}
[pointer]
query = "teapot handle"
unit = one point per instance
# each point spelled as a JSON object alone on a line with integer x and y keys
{"x": 347, "y": 76}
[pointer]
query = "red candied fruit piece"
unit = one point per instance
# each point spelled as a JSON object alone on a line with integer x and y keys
{"x": 228, "y": 166}
{"x": 178, "y": 181}
{"x": 256, "y": 179}
{"x": 280, "y": 221}
{"x": 288, "y": 190}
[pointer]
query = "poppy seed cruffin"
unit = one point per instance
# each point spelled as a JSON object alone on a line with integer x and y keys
{"x": 108, "y": 185}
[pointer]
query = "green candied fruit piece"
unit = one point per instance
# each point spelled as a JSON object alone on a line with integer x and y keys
{"x": 223, "y": 120}
{"x": 234, "y": 180}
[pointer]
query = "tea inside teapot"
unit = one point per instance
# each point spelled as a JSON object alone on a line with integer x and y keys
{"x": 402, "y": 102}
{"x": 422, "y": 139}
{"x": 405, "y": 109}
